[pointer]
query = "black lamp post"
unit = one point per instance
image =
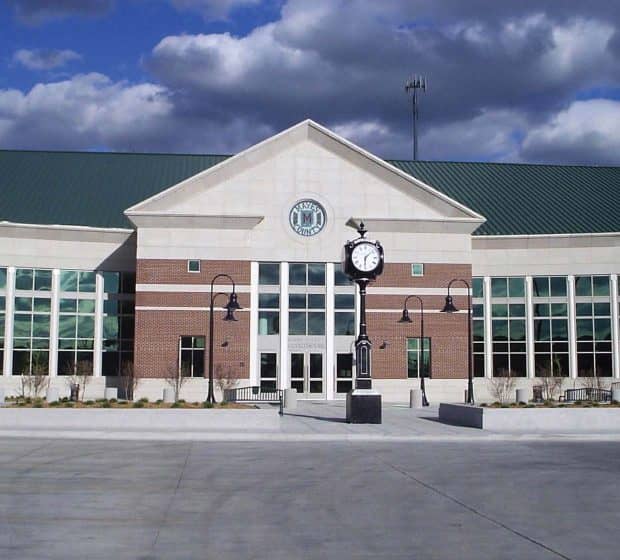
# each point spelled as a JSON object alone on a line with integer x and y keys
{"x": 406, "y": 319}
{"x": 449, "y": 307}
{"x": 231, "y": 306}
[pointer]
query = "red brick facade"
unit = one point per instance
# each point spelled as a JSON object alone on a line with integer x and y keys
{"x": 158, "y": 331}
{"x": 448, "y": 332}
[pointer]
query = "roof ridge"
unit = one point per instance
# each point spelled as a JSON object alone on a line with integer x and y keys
{"x": 508, "y": 163}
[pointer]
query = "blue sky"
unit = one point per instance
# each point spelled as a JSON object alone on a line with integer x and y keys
{"x": 528, "y": 81}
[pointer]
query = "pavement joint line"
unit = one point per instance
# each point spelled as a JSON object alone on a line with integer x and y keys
{"x": 473, "y": 510}
{"x": 170, "y": 502}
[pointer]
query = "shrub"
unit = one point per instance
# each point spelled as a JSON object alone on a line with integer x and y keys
{"x": 159, "y": 401}
{"x": 144, "y": 400}
{"x": 182, "y": 401}
{"x": 89, "y": 403}
{"x": 139, "y": 404}
{"x": 113, "y": 401}
{"x": 68, "y": 405}
{"x": 176, "y": 405}
{"x": 54, "y": 403}
{"x": 38, "y": 404}
{"x": 207, "y": 404}
{"x": 106, "y": 404}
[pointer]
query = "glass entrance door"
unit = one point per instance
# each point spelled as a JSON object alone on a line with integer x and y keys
{"x": 307, "y": 374}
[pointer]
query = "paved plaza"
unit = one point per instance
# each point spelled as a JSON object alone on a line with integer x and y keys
{"x": 476, "y": 499}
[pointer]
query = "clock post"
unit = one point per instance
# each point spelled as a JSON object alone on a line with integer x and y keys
{"x": 362, "y": 263}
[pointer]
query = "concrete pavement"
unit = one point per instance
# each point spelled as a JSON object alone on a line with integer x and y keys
{"x": 63, "y": 499}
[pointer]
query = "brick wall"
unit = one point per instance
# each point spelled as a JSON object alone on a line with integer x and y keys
{"x": 448, "y": 332}
{"x": 158, "y": 331}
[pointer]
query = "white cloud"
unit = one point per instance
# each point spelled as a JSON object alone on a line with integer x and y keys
{"x": 44, "y": 59}
{"x": 585, "y": 132}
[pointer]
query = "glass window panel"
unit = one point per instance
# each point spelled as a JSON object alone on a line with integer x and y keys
{"x": 541, "y": 286}
{"x": 541, "y": 310}
{"x": 600, "y": 285}
{"x": 412, "y": 364}
{"x": 417, "y": 269}
{"x": 542, "y": 329}
{"x": 584, "y": 329}
{"x": 500, "y": 365}
{"x": 316, "y": 301}
{"x": 478, "y": 310}
{"x": 41, "y": 325}
{"x": 43, "y": 280}
{"x": 23, "y": 304}
{"x": 86, "y": 306}
{"x": 22, "y": 325}
{"x": 500, "y": 329}
{"x": 558, "y": 286}
{"x": 111, "y": 327}
{"x": 499, "y": 310}
{"x": 297, "y": 301}
{"x": 316, "y": 274}
{"x": 186, "y": 342}
{"x": 296, "y": 323}
{"x": 85, "y": 344}
{"x": 268, "y": 322}
{"x": 199, "y": 342}
{"x": 345, "y": 323}
{"x": 2, "y": 278}
{"x": 583, "y": 309}
{"x": 340, "y": 278}
{"x": 316, "y": 323}
{"x": 559, "y": 310}
{"x": 193, "y": 265}
{"x": 269, "y": 301}
{"x": 86, "y": 281}
{"x": 269, "y": 274}
{"x": 111, "y": 282}
{"x": 66, "y": 363}
{"x": 21, "y": 343}
{"x": 601, "y": 309}
{"x": 499, "y": 287}
{"x": 42, "y": 305}
{"x": 412, "y": 344}
{"x": 199, "y": 363}
{"x": 583, "y": 286}
{"x": 24, "y": 279}
{"x": 478, "y": 331}
{"x": 603, "y": 365}
{"x": 559, "y": 329}
{"x": 344, "y": 365}
{"x": 68, "y": 281}
{"x": 477, "y": 287}
{"x": 517, "y": 310}
{"x": 85, "y": 326}
{"x": 516, "y": 287}
{"x": 602, "y": 329}
{"x": 297, "y": 274}
{"x": 517, "y": 330}
{"x": 344, "y": 301}
{"x": 518, "y": 365}
{"x": 66, "y": 326}
{"x": 67, "y": 305}
{"x": 111, "y": 306}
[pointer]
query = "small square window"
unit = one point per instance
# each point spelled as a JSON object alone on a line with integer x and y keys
{"x": 193, "y": 266}
{"x": 417, "y": 269}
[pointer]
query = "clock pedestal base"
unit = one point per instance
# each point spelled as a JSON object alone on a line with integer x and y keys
{"x": 364, "y": 407}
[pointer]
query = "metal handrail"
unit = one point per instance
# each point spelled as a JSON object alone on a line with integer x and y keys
{"x": 587, "y": 394}
{"x": 255, "y": 394}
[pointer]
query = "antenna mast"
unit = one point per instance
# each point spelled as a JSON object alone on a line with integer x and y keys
{"x": 414, "y": 84}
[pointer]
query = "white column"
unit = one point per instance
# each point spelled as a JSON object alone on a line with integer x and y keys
{"x": 54, "y": 318}
{"x": 615, "y": 326}
{"x": 8, "y": 321}
{"x": 488, "y": 329}
{"x": 284, "y": 358}
{"x": 529, "y": 327}
{"x": 98, "y": 347}
{"x": 330, "y": 369}
{"x": 254, "y": 373}
{"x": 572, "y": 328}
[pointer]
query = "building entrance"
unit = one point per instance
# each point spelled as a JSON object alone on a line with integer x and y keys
{"x": 307, "y": 374}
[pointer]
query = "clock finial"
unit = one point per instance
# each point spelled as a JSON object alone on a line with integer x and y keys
{"x": 362, "y": 229}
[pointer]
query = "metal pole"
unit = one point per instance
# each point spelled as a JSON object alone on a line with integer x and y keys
{"x": 470, "y": 373}
{"x": 423, "y": 372}
{"x": 211, "y": 396}
{"x": 415, "y": 128}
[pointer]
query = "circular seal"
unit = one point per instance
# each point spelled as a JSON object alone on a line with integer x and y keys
{"x": 307, "y": 217}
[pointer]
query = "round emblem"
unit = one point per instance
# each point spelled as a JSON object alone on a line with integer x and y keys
{"x": 307, "y": 217}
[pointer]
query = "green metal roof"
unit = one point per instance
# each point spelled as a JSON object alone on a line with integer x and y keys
{"x": 93, "y": 189}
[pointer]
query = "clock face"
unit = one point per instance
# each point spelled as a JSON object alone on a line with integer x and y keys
{"x": 365, "y": 257}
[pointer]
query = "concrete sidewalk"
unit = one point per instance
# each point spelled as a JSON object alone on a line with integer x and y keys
{"x": 312, "y": 421}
